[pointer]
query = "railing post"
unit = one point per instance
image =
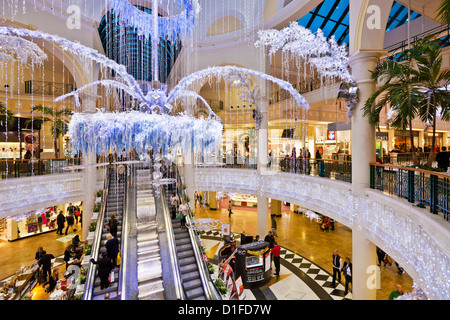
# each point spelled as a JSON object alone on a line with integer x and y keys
{"x": 372, "y": 176}
{"x": 411, "y": 176}
{"x": 433, "y": 193}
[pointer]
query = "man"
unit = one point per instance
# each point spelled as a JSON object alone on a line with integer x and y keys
{"x": 347, "y": 269}
{"x": 442, "y": 159}
{"x": 46, "y": 262}
{"x": 276, "y": 258}
{"x": 270, "y": 239}
{"x": 60, "y": 219}
{"x": 104, "y": 269}
{"x": 70, "y": 217}
{"x": 396, "y": 293}
{"x": 336, "y": 268}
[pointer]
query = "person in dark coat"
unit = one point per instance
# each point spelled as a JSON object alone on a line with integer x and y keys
{"x": 46, "y": 262}
{"x": 112, "y": 248}
{"x": 68, "y": 254}
{"x": 38, "y": 254}
{"x": 76, "y": 241}
{"x": 52, "y": 281}
{"x": 347, "y": 270}
{"x": 104, "y": 269}
{"x": 442, "y": 159}
{"x": 60, "y": 220}
{"x": 270, "y": 239}
{"x": 112, "y": 225}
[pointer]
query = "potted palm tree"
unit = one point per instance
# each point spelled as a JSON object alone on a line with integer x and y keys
{"x": 434, "y": 83}
{"x": 400, "y": 90}
{"x": 6, "y": 116}
{"x": 60, "y": 124}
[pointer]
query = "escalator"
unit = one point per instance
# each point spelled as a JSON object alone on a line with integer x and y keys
{"x": 149, "y": 268}
{"x": 113, "y": 202}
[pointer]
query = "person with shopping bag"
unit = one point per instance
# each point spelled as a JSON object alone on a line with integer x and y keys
{"x": 104, "y": 270}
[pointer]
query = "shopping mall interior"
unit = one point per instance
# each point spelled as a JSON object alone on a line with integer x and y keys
{"x": 225, "y": 150}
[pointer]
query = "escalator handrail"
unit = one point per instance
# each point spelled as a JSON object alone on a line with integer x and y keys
{"x": 179, "y": 291}
{"x": 90, "y": 277}
{"x": 124, "y": 237}
{"x": 207, "y": 282}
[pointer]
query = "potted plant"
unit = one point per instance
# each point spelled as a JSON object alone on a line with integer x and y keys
{"x": 93, "y": 226}
{"x": 97, "y": 206}
{"x": 99, "y": 196}
{"x": 220, "y": 285}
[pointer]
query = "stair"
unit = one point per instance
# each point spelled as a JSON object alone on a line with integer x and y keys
{"x": 150, "y": 281}
{"x": 190, "y": 276}
{"x": 114, "y": 204}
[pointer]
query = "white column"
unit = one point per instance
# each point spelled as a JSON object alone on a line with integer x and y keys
{"x": 363, "y": 133}
{"x": 366, "y": 276}
{"x": 90, "y": 174}
{"x": 363, "y": 153}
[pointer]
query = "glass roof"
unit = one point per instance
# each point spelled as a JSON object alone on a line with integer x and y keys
{"x": 332, "y": 16}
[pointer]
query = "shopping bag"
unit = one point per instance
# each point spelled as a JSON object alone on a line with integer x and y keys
{"x": 111, "y": 277}
{"x": 118, "y": 259}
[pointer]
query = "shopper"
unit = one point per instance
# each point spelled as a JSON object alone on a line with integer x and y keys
{"x": 112, "y": 248}
{"x": 256, "y": 238}
{"x": 39, "y": 221}
{"x": 174, "y": 205}
{"x": 104, "y": 269}
{"x": 52, "y": 281}
{"x": 60, "y": 220}
{"x": 276, "y": 257}
{"x": 38, "y": 254}
{"x": 76, "y": 241}
{"x": 184, "y": 210}
{"x": 396, "y": 293}
{"x": 270, "y": 239}
{"x": 442, "y": 159}
{"x": 70, "y": 221}
{"x": 47, "y": 218}
{"x": 68, "y": 254}
{"x": 77, "y": 214}
{"x": 347, "y": 270}
{"x": 46, "y": 262}
{"x": 230, "y": 209}
{"x": 274, "y": 226}
{"x": 113, "y": 225}
{"x": 336, "y": 268}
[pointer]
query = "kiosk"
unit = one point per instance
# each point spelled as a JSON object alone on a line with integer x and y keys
{"x": 253, "y": 264}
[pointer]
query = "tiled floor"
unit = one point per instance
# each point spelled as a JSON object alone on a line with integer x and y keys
{"x": 302, "y": 239}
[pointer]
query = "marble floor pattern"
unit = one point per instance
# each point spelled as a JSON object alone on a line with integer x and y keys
{"x": 299, "y": 278}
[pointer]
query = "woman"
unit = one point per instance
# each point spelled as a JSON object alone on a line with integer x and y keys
{"x": 183, "y": 209}
{"x": 76, "y": 241}
{"x": 112, "y": 225}
{"x": 112, "y": 248}
{"x": 68, "y": 254}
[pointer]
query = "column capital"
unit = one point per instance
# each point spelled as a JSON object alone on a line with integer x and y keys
{"x": 362, "y": 62}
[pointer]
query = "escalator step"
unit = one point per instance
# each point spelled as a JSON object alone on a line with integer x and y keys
{"x": 190, "y": 276}
{"x": 194, "y": 293}
{"x": 187, "y": 260}
{"x": 188, "y": 268}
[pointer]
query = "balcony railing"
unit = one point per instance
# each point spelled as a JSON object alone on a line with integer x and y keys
{"x": 36, "y": 167}
{"x": 420, "y": 187}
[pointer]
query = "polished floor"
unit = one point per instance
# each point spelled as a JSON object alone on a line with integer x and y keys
{"x": 298, "y": 234}
{"x": 299, "y": 237}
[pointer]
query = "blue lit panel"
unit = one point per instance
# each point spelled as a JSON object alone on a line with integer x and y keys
{"x": 123, "y": 45}
{"x": 332, "y": 16}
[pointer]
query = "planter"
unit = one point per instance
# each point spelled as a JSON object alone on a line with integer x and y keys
{"x": 90, "y": 237}
{"x": 98, "y": 199}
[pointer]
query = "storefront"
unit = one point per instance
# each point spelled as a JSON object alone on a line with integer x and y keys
{"x": 334, "y": 141}
{"x": 26, "y": 224}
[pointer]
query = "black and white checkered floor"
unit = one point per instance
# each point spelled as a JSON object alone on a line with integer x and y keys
{"x": 299, "y": 278}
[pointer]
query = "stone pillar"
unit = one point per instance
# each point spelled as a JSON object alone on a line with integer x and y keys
{"x": 363, "y": 133}
{"x": 363, "y": 153}
{"x": 275, "y": 207}
{"x": 366, "y": 276}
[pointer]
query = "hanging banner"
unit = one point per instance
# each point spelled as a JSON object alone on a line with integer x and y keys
{"x": 31, "y": 141}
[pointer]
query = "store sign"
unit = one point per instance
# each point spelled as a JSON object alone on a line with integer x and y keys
{"x": 331, "y": 135}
